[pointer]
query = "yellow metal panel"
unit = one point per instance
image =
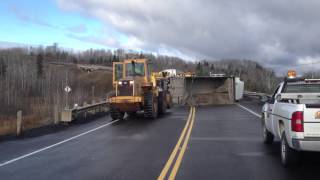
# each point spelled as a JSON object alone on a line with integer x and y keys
{"x": 125, "y": 99}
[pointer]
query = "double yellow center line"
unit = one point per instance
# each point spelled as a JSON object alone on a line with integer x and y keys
{"x": 181, "y": 145}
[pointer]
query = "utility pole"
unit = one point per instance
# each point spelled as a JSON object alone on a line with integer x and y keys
{"x": 92, "y": 91}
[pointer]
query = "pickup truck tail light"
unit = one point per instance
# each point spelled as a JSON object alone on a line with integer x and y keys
{"x": 297, "y": 121}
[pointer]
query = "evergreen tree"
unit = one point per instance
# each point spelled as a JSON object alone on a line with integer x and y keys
{"x": 212, "y": 68}
{"x": 3, "y": 67}
{"x": 115, "y": 58}
{"x": 199, "y": 69}
{"x": 141, "y": 55}
{"x": 40, "y": 65}
{"x": 92, "y": 61}
{"x": 74, "y": 60}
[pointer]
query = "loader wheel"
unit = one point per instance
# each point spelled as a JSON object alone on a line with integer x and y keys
{"x": 116, "y": 113}
{"x": 162, "y": 103}
{"x": 132, "y": 114}
{"x": 150, "y": 106}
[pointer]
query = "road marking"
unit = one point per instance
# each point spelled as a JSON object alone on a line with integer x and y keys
{"x": 225, "y": 139}
{"x": 183, "y": 149}
{"x": 176, "y": 148}
{"x": 184, "y": 138}
{"x": 249, "y": 110}
{"x": 56, "y": 144}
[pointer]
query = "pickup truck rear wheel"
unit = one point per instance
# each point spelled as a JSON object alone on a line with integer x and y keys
{"x": 267, "y": 135}
{"x": 289, "y": 156}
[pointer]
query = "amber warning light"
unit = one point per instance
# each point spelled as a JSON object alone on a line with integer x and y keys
{"x": 292, "y": 74}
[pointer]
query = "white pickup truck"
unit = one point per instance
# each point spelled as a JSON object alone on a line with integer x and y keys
{"x": 292, "y": 115}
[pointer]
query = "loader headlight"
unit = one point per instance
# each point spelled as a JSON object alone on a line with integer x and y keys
{"x": 131, "y": 82}
{"x": 120, "y": 82}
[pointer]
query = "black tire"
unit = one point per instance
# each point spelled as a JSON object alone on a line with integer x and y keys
{"x": 267, "y": 136}
{"x": 289, "y": 156}
{"x": 132, "y": 114}
{"x": 162, "y": 103}
{"x": 169, "y": 104}
{"x": 150, "y": 106}
{"x": 116, "y": 113}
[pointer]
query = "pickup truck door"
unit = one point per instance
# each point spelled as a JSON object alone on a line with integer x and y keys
{"x": 270, "y": 112}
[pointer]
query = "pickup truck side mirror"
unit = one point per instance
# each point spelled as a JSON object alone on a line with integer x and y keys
{"x": 278, "y": 97}
{"x": 264, "y": 99}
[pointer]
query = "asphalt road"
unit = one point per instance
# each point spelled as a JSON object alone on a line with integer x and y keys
{"x": 222, "y": 142}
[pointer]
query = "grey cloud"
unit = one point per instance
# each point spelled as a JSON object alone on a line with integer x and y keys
{"x": 275, "y": 32}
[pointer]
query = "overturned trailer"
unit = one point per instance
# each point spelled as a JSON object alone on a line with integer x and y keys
{"x": 206, "y": 90}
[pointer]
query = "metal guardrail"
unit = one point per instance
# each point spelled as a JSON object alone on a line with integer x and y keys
{"x": 261, "y": 96}
{"x": 68, "y": 115}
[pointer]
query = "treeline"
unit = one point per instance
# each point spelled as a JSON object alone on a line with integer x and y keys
{"x": 106, "y": 57}
{"x": 255, "y": 76}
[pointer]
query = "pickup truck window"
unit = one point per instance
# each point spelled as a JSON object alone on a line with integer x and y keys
{"x": 275, "y": 92}
{"x": 302, "y": 88}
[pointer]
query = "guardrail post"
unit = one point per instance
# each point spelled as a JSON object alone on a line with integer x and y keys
{"x": 56, "y": 115}
{"x": 19, "y": 123}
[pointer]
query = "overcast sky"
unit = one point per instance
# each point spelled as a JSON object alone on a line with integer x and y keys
{"x": 277, "y": 33}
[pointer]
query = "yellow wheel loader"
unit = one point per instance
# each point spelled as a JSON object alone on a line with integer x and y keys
{"x": 137, "y": 88}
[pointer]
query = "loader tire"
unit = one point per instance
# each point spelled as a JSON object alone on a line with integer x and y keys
{"x": 132, "y": 114}
{"x": 116, "y": 113}
{"x": 150, "y": 106}
{"x": 162, "y": 103}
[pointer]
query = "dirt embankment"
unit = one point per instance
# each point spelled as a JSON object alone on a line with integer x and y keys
{"x": 39, "y": 99}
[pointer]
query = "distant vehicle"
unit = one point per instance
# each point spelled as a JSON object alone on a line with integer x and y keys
{"x": 137, "y": 88}
{"x": 171, "y": 72}
{"x": 292, "y": 115}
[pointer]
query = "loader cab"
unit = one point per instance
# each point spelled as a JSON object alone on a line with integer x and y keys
{"x": 130, "y": 75}
{"x": 130, "y": 69}
{"x": 135, "y": 68}
{"x": 138, "y": 69}
{"x": 118, "y": 72}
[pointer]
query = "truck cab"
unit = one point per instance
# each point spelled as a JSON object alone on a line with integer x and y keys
{"x": 292, "y": 114}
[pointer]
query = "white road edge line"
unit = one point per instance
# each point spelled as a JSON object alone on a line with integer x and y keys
{"x": 56, "y": 144}
{"x": 249, "y": 110}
